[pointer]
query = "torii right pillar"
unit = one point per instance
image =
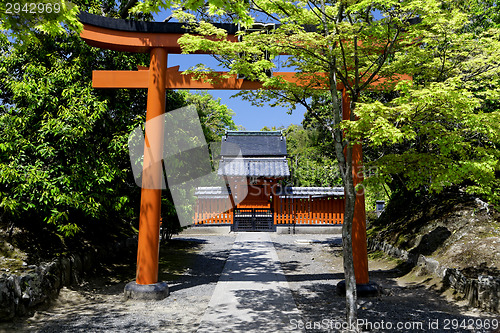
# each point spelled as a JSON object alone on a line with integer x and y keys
{"x": 359, "y": 243}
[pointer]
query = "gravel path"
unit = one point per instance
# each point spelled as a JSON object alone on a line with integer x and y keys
{"x": 101, "y": 308}
{"x": 312, "y": 265}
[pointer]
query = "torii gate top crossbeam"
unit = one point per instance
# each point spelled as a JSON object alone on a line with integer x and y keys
{"x": 141, "y": 36}
{"x": 138, "y": 36}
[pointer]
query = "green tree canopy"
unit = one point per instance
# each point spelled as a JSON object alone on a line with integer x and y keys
{"x": 312, "y": 161}
{"x": 64, "y": 160}
{"x": 24, "y": 20}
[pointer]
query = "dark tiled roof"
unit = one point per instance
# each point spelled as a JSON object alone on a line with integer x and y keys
{"x": 305, "y": 192}
{"x": 144, "y": 26}
{"x": 253, "y": 144}
{"x": 254, "y": 167}
{"x": 215, "y": 192}
{"x": 295, "y": 192}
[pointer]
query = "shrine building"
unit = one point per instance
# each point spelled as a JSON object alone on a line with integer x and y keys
{"x": 257, "y": 162}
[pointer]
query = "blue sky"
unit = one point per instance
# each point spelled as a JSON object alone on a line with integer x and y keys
{"x": 246, "y": 115}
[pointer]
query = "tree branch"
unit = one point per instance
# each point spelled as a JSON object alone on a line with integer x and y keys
{"x": 260, "y": 10}
{"x": 386, "y": 53}
{"x": 125, "y": 9}
{"x": 323, "y": 12}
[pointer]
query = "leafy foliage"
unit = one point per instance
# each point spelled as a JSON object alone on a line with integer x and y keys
{"x": 311, "y": 159}
{"x": 215, "y": 117}
{"x": 63, "y": 148}
{"x": 64, "y": 161}
{"x": 442, "y": 130}
{"x": 25, "y": 20}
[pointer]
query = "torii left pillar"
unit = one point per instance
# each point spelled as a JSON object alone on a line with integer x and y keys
{"x": 158, "y": 39}
{"x": 146, "y": 285}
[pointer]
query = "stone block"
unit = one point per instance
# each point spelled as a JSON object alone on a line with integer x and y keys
{"x": 65, "y": 271}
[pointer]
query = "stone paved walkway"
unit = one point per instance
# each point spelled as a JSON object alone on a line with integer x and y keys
{"x": 252, "y": 294}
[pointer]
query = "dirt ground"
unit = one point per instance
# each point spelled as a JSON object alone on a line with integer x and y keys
{"x": 409, "y": 302}
{"x": 409, "y": 299}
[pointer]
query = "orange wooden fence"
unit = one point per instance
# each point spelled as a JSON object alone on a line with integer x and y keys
{"x": 208, "y": 211}
{"x": 313, "y": 211}
{"x": 328, "y": 210}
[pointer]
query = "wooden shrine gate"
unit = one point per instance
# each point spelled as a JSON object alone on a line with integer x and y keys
{"x": 253, "y": 219}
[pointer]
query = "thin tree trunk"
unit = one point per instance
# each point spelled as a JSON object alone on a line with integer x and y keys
{"x": 350, "y": 278}
{"x": 344, "y": 157}
{"x": 345, "y": 165}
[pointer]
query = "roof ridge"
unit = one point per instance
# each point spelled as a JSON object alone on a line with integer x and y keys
{"x": 277, "y": 157}
{"x": 254, "y": 133}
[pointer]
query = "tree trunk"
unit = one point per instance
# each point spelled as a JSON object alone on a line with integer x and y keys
{"x": 350, "y": 278}
{"x": 344, "y": 158}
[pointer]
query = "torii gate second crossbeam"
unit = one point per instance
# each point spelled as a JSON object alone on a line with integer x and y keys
{"x": 160, "y": 39}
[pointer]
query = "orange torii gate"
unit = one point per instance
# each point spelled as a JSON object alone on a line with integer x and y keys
{"x": 160, "y": 39}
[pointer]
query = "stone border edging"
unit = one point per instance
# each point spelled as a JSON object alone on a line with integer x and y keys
{"x": 482, "y": 293}
{"x": 21, "y": 293}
